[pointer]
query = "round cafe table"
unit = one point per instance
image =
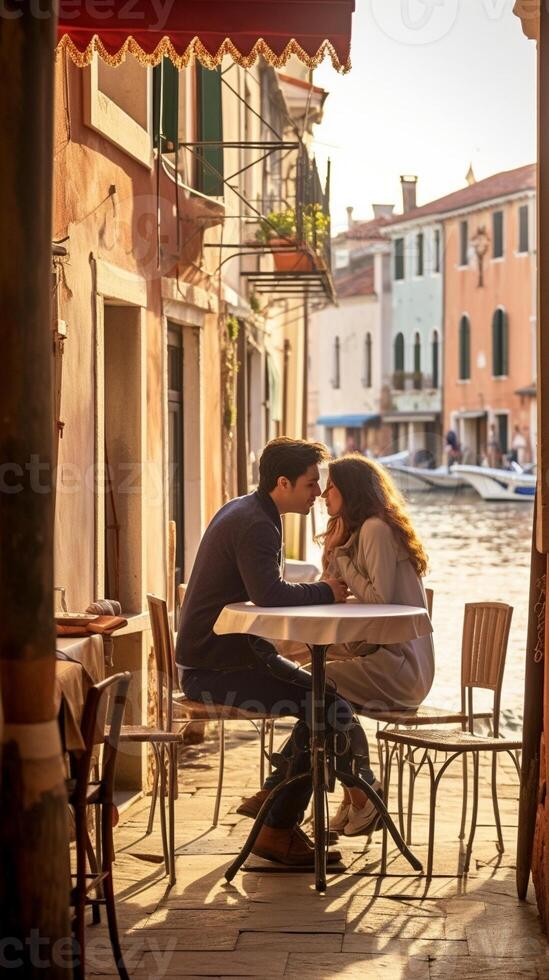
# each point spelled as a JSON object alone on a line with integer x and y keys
{"x": 319, "y": 627}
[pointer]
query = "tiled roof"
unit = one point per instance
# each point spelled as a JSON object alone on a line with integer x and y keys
{"x": 357, "y": 282}
{"x": 364, "y": 231}
{"x": 496, "y": 186}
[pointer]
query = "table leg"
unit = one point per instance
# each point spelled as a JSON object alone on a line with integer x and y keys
{"x": 318, "y": 756}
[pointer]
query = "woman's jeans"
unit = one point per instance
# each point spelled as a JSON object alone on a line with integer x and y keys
{"x": 277, "y": 687}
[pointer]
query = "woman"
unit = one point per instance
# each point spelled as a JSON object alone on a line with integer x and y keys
{"x": 371, "y": 544}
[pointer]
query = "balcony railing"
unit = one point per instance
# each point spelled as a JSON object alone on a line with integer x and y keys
{"x": 412, "y": 381}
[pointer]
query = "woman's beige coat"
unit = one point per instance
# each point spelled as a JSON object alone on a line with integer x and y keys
{"x": 377, "y": 569}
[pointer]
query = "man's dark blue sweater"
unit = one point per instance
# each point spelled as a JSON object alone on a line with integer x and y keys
{"x": 239, "y": 558}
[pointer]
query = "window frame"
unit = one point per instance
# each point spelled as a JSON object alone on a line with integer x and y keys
{"x": 463, "y": 244}
{"x": 498, "y": 235}
{"x": 500, "y": 344}
{"x": 420, "y": 255}
{"x": 464, "y": 348}
{"x": 367, "y": 376}
{"x": 336, "y": 376}
{"x": 399, "y": 259}
{"x": 523, "y": 209}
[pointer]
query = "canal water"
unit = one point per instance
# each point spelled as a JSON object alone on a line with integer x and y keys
{"x": 478, "y": 552}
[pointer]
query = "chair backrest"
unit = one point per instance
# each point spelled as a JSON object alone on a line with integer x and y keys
{"x": 483, "y": 650}
{"x": 429, "y": 595}
{"x": 101, "y": 723}
{"x": 164, "y": 656}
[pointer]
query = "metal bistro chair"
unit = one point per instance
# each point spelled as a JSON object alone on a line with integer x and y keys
{"x": 484, "y": 645}
{"x": 164, "y": 737}
{"x": 192, "y": 711}
{"x": 106, "y": 700}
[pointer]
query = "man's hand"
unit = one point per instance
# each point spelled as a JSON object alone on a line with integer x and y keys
{"x": 339, "y": 588}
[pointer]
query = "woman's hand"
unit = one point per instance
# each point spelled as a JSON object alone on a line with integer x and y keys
{"x": 336, "y": 534}
{"x": 339, "y": 589}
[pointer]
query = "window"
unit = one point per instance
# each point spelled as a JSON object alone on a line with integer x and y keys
{"x": 336, "y": 376}
{"x": 463, "y": 243}
{"x": 175, "y": 444}
{"x": 399, "y": 362}
{"x": 500, "y": 344}
{"x": 417, "y": 362}
{"x": 436, "y": 250}
{"x": 399, "y": 258}
{"x": 210, "y": 129}
{"x": 166, "y": 105}
{"x": 435, "y": 360}
{"x": 464, "y": 349}
{"x": 117, "y": 103}
{"x": 497, "y": 235}
{"x": 523, "y": 239}
{"x": 419, "y": 253}
{"x": 367, "y": 376}
{"x": 502, "y": 423}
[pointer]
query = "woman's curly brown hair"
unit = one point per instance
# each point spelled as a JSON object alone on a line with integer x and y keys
{"x": 368, "y": 491}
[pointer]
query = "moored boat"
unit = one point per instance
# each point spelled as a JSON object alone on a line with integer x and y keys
{"x": 418, "y": 478}
{"x": 495, "y": 484}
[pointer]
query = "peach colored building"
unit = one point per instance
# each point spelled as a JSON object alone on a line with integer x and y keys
{"x": 490, "y": 314}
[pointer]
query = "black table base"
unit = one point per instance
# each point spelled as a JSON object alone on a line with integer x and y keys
{"x": 318, "y": 761}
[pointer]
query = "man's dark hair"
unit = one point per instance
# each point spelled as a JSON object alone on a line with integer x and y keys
{"x": 290, "y": 458}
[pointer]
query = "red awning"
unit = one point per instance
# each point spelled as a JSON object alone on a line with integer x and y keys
{"x": 208, "y": 30}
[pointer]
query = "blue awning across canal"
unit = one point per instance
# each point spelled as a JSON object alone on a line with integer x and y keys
{"x": 348, "y": 421}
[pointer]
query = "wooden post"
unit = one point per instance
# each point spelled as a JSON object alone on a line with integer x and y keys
{"x": 34, "y": 884}
{"x": 533, "y": 719}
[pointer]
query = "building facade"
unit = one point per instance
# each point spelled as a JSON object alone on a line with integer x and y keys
{"x": 490, "y": 316}
{"x": 414, "y": 377}
{"x": 172, "y": 367}
{"x": 349, "y": 350}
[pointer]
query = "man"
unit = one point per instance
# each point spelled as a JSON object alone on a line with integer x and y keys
{"x": 241, "y": 557}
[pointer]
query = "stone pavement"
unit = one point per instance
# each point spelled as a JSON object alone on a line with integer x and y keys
{"x": 272, "y": 923}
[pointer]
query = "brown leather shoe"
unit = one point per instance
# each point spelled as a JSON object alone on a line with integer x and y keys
{"x": 287, "y": 847}
{"x": 251, "y": 806}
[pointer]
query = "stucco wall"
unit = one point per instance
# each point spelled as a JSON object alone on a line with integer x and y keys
{"x": 507, "y": 284}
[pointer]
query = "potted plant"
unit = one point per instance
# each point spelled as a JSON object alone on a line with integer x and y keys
{"x": 279, "y": 229}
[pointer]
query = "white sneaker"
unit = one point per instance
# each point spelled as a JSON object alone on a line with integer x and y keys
{"x": 362, "y": 820}
{"x": 339, "y": 821}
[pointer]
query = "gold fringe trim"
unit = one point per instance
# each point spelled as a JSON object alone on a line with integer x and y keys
{"x": 196, "y": 50}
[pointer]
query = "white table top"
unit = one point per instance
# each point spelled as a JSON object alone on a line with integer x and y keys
{"x": 342, "y": 622}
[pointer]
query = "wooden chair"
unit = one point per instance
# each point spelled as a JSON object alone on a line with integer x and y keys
{"x": 185, "y": 711}
{"x": 484, "y": 645}
{"x": 164, "y": 737}
{"x": 106, "y": 700}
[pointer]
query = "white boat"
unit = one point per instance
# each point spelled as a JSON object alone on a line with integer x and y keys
{"x": 495, "y": 484}
{"x": 394, "y": 459}
{"x": 418, "y": 478}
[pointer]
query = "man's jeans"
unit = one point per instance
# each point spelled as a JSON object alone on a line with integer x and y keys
{"x": 276, "y": 686}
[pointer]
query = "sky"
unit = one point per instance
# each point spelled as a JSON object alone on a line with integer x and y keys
{"x": 435, "y": 85}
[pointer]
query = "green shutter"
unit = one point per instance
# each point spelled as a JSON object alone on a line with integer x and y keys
{"x": 210, "y": 128}
{"x": 504, "y": 344}
{"x": 166, "y": 90}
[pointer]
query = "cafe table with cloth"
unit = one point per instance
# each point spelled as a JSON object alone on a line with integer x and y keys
{"x": 320, "y": 627}
{"x": 80, "y": 664}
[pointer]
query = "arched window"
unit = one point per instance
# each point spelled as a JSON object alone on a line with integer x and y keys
{"x": 500, "y": 344}
{"x": 399, "y": 361}
{"x": 417, "y": 361}
{"x": 435, "y": 359}
{"x": 464, "y": 349}
{"x": 367, "y": 375}
{"x": 336, "y": 376}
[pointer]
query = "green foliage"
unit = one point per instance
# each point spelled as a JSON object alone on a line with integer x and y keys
{"x": 283, "y": 224}
{"x": 233, "y": 327}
